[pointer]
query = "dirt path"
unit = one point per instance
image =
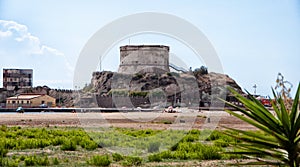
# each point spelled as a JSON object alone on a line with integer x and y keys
{"x": 138, "y": 120}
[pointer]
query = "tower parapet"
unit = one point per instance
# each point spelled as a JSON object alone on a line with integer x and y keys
{"x": 144, "y": 58}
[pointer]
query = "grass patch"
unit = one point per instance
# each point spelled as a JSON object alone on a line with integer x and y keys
{"x": 75, "y": 147}
{"x": 117, "y": 157}
{"x": 99, "y": 160}
{"x": 132, "y": 161}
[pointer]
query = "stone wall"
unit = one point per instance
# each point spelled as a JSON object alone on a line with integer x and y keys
{"x": 144, "y": 58}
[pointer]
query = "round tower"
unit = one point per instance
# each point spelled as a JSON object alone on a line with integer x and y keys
{"x": 144, "y": 58}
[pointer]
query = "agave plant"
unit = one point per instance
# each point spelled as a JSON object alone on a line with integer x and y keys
{"x": 279, "y": 144}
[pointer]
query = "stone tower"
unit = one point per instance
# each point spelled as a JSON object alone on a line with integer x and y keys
{"x": 144, "y": 58}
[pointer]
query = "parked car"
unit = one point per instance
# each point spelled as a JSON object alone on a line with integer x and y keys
{"x": 43, "y": 106}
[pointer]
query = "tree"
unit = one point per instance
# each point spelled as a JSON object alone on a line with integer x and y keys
{"x": 200, "y": 71}
{"x": 279, "y": 144}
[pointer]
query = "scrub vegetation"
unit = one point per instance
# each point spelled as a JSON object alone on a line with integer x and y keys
{"x": 75, "y": 147}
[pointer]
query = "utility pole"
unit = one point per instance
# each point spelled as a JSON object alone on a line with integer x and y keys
{"x": 100, "y": 63}
{"x": 255, "y": 86}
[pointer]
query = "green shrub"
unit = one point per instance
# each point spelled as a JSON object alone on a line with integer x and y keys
{"x": 33, "y": 160}
{"x": 3, "y": 152}
{"x": 200, "y": 71}
{"x": 194, "y": 132}
{"x": 69, "y": 145}
{"x": 132, "y": 161}
{"x": 221, "y": 143}
{"x": 138, "y": 94}
{"x": 58, "y": 141}
{"x": 22, "y": 157}
{"x": 3, "y": 128}
{"x": 66, "y": 160}
{"x": 183, "y": 155}
{"x": 283, "y": 125}
{"x": 55, "y": 161}
{"x": 99, "y": 160}
{"x": 117, "y": 157}
{"x": 9, "y": 163}
{"x": 215, "y": 135}
{"x": 88, "y": 144}
{"x": 30, "y": 161}
{"x": 190, "y": 138}
{"x": 155, "y": 158}
{"x": 166, "y": 154}
{"x": 187, "y": 150}
{"x": 174, "y": 147}
{"x": 211, "y": 152}
{"x": 118, "y": 92}
{"x": 153, "y": 147}
{"x": 43, "y": 161}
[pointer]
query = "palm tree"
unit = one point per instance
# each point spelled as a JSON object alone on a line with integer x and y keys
{"x": 279, "y": 144}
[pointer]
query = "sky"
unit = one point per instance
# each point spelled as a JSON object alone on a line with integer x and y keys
{"x": 254, "y": 39}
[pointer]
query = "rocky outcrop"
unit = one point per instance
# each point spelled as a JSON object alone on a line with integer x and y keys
{"x": 172, "y": 86}
{"x": 184, "y": 89}
{"x": 170, "y": 83}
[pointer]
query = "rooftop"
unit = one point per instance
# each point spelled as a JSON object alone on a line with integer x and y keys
{"x": 25, "y": 96}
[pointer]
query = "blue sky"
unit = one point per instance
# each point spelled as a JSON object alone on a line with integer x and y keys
{"x": 254, "y": 39}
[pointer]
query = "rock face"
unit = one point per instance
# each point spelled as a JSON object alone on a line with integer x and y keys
{"x": 144, "y": 87}
{"x": 102, "y": 82}
{"x": 173, "y": 86}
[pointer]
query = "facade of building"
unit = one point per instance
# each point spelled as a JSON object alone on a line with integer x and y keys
{"x": 30, "y": 101}
{"x": 144, "y": 58}
{"x": 17, "y": 78}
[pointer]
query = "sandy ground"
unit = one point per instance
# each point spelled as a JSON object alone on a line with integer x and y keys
{"x": 139, "y": 120}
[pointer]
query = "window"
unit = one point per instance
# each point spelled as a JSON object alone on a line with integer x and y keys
{"x": 13, "y": 102}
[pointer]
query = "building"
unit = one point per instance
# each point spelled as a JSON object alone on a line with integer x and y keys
{"x": 17, "y": 78}
{"x": 144, "y": 58}
{"x": 30, "y": 101}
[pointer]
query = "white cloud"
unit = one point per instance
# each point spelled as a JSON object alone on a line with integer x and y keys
{"x": 20, "y": 49}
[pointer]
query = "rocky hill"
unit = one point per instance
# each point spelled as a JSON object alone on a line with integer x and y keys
{"x": 172, "y": 86}
{"x": 170, "y": 83}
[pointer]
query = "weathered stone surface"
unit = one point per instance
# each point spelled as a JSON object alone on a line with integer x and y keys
{"x": 180, "y": 85}
{"x": 144, "y": 58}
{"x": 168, "y": 82}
